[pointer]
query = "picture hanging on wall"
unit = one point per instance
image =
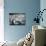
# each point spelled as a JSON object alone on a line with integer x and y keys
{"x": 17, "y": 19}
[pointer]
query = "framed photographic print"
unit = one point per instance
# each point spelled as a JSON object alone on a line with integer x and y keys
{"x": 17, "y": 19}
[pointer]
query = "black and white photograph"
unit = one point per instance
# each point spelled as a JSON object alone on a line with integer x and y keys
{"x": 17, "y": 19}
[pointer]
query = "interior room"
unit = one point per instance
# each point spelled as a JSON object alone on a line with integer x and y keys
{"x": 22, "y": 23}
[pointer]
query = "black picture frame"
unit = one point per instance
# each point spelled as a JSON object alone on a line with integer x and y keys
{"x": 17, "y": 19}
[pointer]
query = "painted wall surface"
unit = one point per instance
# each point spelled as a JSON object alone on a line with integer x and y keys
{"x": 43, "y": 6}
{"x": 30, "y": 7}
{"x": 1, "y": 20}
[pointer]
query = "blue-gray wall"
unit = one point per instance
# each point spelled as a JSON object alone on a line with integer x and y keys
{"x": 30, "y": 7}
{"x": 43, "y": 6}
